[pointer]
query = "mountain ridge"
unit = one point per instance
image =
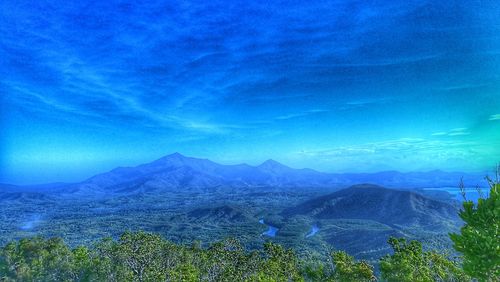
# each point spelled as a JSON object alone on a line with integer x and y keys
{"x": 176, "y": 171}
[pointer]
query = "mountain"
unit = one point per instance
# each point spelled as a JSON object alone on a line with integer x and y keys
{"x": 274, "y": 167}
{"x": 176, "y": 171}
{"x": 375, "y": 203}
{"x": 360, "y": 219}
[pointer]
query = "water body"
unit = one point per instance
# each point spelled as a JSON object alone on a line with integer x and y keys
{"x": 470, "y": 193}
{"x": 313, "y": 231}
{"x": 271, "y": 232}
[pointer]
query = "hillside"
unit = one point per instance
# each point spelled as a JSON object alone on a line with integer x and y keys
{"x": 370, "y": 202}
{"x": 224, "y": 213}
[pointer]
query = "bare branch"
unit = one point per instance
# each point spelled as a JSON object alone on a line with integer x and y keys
{"x": 480, "y": 192}
{"x": 461, "y": 185}
{"x": 498, "y": 173}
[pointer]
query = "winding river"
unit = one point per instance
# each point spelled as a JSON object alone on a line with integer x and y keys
{"x": 313, "y": 231}
{"x": 271, "y": 232}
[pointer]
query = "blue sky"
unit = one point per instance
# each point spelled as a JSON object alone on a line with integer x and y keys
{"x": 341, "y": 86}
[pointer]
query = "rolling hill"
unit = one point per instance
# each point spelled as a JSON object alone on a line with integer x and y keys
{"x": 370, "y": 202}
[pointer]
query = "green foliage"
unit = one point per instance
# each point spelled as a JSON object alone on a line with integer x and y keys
{"x": 315, "y": 272}
{"x": 410, "y": 263}
{"x": 341, "y": 267}
{"x": 184, "y": 273}
{"x": 38, "y": 259}
{"x": 279, "y": 264}
{"x": 144, "y": 256}
{"x": 141, "y": 256}
{"x": 141, "y": 253}
{"x": 346, "y": 269}
{"x": 479, "y": 238}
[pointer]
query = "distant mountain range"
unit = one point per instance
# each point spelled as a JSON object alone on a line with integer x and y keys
{"x": 176, "y": 171}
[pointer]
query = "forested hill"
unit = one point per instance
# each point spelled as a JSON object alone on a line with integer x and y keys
{"x": 370, "y": 202}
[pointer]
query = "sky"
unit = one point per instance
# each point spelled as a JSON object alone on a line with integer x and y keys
{"x": 338, "y": 86}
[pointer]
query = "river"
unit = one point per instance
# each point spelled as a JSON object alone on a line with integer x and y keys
{"x": 313, "y": 231}
{"x": 271, "y": 232}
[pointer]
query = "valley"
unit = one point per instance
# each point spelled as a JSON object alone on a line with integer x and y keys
{"x": 187, "y": 199}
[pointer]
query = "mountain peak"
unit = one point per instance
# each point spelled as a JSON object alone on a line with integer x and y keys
{"x": 271, "y": 162}
{"x": 174, "y": 159}
{"x": 175, "y": 155}
{"x": 273, "y": 165}
{"x": 366, "y": 186}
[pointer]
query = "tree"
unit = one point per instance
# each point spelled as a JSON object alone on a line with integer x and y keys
{"x": 109, "y": 264}
{"x": 4, "y": 267}
{"x": 184, "y": 273}
{"x": 346, "y": 269}
{"x": 410, "y": 263}
{"x": 141, "y": 252}
{"x": 279, "y": 264}
{"x": 479, "y": 238}
{"x": 315, "y": 271}
{"x": 228, "y": 261}
{"x": 82, "y": 265}
{"x": 38, "y": 259}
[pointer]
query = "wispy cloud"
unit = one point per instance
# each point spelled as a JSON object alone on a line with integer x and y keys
{"x": 461, "y": 131}
{"x": 397, "y": 146}
{"x": 218, "y": 70}
{"x": 367, "y": 102}
{"x": 301, "y": 114}
{"x": 466, "y": 86}
{"x": 440, "y": 133}
{"x": 410, "y": 153}
{"x": 495, "y": 117}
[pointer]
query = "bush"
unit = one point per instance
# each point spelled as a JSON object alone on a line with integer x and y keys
{"x": 479, "y": 238}
{"x": 410, "y": 263}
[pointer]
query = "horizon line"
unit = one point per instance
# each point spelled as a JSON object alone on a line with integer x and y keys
{"x": 178, "y": 154}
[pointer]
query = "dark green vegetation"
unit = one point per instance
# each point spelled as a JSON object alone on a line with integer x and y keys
{"x": 410, "y": 263}
{"x": 144, "y": 256}
{"x": 479, "y": 238}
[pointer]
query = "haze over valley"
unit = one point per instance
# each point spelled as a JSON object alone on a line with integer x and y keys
{"x": 187, "y": 199}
